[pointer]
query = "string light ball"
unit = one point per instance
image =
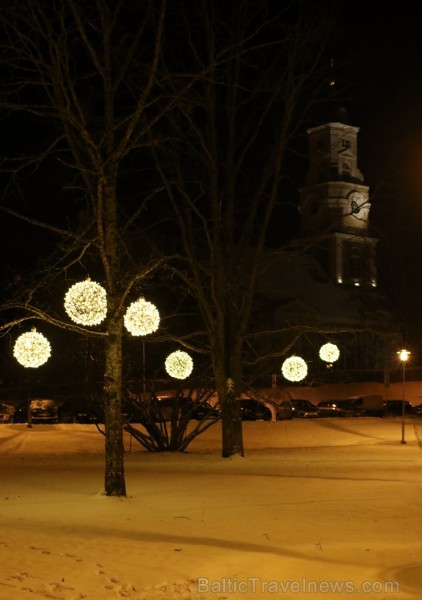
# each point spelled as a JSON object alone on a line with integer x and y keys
{"x": 32, "y": 349}
{"x": 294, "y": 368}
{"x": 141, "y": 317}
{"x": 179, "y": 364}
{"x": 86, "y": 303}
{"x": 329, "y": 353}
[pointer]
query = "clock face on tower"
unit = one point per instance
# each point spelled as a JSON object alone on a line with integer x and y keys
{"x": 357, "y": 200}
{"x": 355, "y": 207}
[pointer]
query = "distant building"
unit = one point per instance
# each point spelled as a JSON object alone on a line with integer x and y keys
{"x": 326, "y": 282}
{"x": 335, "y": 204}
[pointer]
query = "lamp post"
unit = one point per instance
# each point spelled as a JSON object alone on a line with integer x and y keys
{"x": 403, "y": 356}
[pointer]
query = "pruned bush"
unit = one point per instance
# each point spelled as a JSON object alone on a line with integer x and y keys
{"x": 169, "y": 424}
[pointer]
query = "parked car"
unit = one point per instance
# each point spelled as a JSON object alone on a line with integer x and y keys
{"x": 254, "y": 410}
{"x": 284, "y": 410}
{"x": 330, "y": 408}
{"x": 164, "y": 409}
{"x": 395, "y": 407}
{"x": 86, "y": 417}
{"x": 6, "y": 413}
{"x": 81, "y": 411}
{"x": 369, "y": 406}
{"x": 43, "y": 411}
{"x": 350, "y": 409}
{"x": 304, "y": 409}
{"x": 21, "y": 413}
{"x": 204, "y": 410}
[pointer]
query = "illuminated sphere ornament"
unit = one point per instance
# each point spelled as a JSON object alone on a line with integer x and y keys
{"x": 86, "y": 303}
{"x": 329, "y": 353}
{"x": 141, "y": 317}
{"x": 294, "y": 368}
{"x": 32, "y": 349}
{"x": 179, "y": 364}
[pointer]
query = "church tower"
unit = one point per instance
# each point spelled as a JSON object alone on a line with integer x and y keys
{"x": 335, "y": 205}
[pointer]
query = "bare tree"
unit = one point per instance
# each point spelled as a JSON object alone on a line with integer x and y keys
{"x": 210, "y": 98}
{"x": 84, "y": 77}
{"x": 227, "y": 162}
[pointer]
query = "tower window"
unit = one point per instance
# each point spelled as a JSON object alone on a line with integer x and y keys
{"x": 345, "y": 143}
{"x": 345, "y": 170}
{"x": 322, "y": 172}
{"x": 355, "y": 263}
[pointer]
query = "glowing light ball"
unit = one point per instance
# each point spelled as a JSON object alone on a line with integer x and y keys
{"x": 294, "y": 368}
{"x": 179, "y": 364}
{"x": 329, "y": 353}
{"x": 32, "y": 349}
{"x": 142, "y": 317}
{"x": 86, "y": 303}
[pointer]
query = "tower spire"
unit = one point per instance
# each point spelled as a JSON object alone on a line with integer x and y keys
{"x": 332, "y": 80}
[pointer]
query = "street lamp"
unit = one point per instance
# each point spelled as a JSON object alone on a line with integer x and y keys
{"x": 404, "y": 357}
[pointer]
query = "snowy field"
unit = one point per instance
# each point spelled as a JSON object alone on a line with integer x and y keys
{"x": 323, "y": 508}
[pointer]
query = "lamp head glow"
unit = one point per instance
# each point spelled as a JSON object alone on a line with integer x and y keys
{"x": 329, "y": 353}
{"x": 179, "y": 364}
{"x": 32, "y": 349}
{"x": 86, "y": 303}
{"x": 141, "y": 318}
{"x": 403, "y": 355}
{"x": 294, "y": 368}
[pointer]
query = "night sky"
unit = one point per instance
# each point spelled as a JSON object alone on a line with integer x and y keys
{"x": 385, "y": 102}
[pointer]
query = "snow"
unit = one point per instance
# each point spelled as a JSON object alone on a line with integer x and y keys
{"x": 313, "y": 504}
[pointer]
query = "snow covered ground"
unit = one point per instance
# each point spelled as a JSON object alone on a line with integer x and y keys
{"x": 321, "y": 508}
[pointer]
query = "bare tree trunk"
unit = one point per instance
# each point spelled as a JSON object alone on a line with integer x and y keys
{"x": 231, "y": 422}
{"x": 114, "y": 477}
{"x": 228, "y": 378}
